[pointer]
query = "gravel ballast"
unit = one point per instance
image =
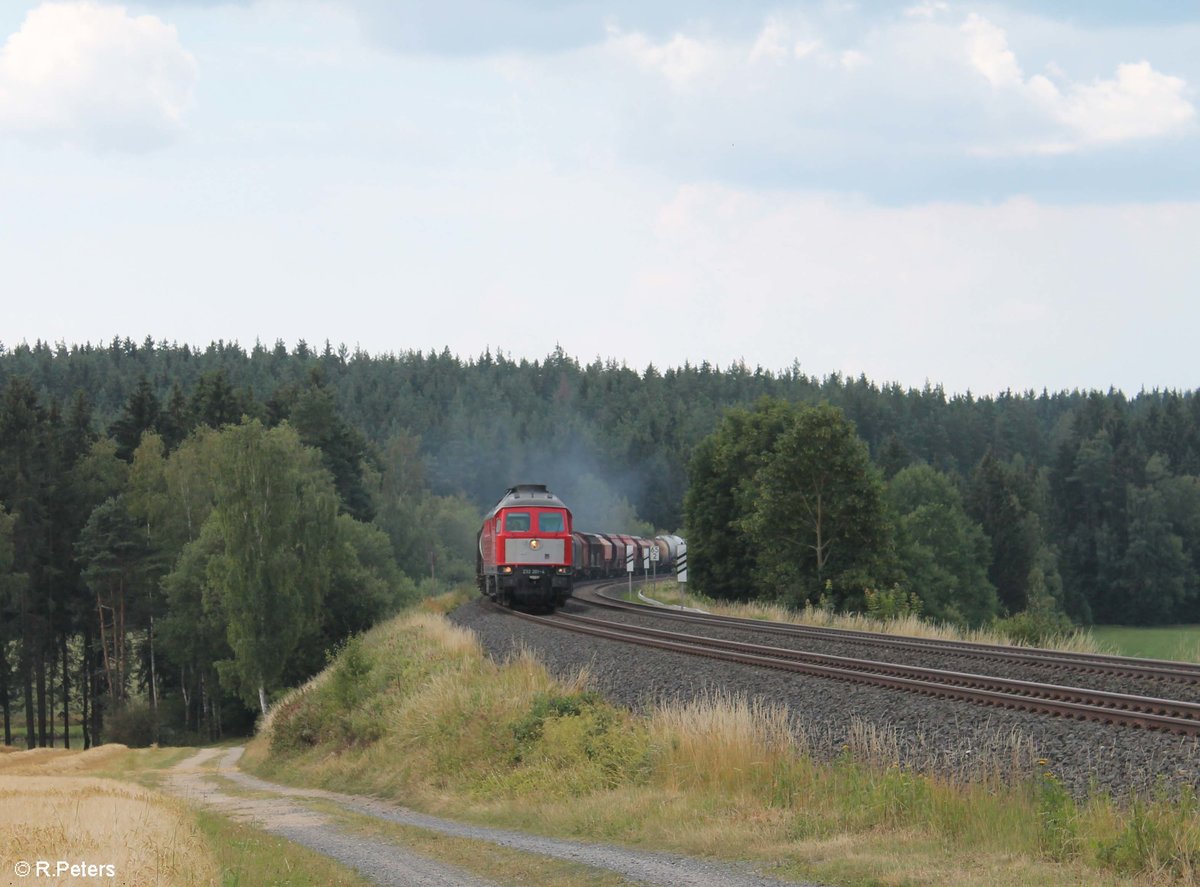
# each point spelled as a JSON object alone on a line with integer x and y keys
{"x": 953, "y": 738}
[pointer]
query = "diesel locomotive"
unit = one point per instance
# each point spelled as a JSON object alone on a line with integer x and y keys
{"x": 529, "y": 554}
{"x": 524, "y": 552}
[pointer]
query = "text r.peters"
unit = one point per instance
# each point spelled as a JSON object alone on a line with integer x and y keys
{"x": 61, "y": 869}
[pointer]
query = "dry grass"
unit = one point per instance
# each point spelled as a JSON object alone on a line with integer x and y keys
{"x": 906, "y": 626}
{"x": 723, "y": 776}
{"x": 723, "y": 743}
{"x": 56, "y": 761}
{"x": 148, "y": 838}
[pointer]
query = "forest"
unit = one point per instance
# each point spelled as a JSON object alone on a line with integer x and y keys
{"x": 156, "y": 498}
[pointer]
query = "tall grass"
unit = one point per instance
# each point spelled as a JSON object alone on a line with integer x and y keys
{"x": 909, "y": 625}
{"x": 724, "y": 775}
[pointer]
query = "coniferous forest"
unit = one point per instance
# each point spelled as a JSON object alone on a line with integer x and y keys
{"x": 159, "y": 503}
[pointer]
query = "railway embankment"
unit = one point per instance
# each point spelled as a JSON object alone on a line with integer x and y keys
{"x": 486, "y": 719}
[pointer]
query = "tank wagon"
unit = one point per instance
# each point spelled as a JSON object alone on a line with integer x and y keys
{"x": 530, "y": 555}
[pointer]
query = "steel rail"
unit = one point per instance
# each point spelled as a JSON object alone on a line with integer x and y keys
{"x": 1111, "y": 708}
{"x": 1088, "y": 663}
{"x": 1107, "y": 699}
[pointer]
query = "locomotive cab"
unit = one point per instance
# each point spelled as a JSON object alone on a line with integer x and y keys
{"x": 525, "y": 550}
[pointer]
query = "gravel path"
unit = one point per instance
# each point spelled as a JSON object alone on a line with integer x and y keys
{"x": 386, "y": 863}
{"x": 379, "y": 861}
{"x": 946, "y": 736}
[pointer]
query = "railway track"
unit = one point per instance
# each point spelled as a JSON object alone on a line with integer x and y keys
{"x": 1084, "y": 663}
{"x": 1171, "y": 716}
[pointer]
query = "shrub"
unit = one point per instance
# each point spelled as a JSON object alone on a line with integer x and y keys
{"x": 894, "y": 604}
{"x": 134, "y": 724}
{"x": 350, "y": 679}
{"x": 297, "y": 724}
{"x": 1037, "y": 625}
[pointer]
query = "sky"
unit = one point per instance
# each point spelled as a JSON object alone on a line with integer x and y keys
{"x": 986, "y": 196}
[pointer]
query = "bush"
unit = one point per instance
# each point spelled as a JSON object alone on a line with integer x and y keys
{"x": 893, "y": 604}
{"x": 134, "y": 724}
{"x": 350, "y": 680}
{"x": 1036, "y": 625}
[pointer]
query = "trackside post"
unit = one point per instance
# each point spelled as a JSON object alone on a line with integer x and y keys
{"x": 629, "y": 567}
{"x": 681, "y": 570}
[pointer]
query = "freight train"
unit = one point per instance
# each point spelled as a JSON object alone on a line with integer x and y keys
{"x": 530, "y": 555}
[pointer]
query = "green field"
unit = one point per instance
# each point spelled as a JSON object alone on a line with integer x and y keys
{"x": 1171, "y": 642}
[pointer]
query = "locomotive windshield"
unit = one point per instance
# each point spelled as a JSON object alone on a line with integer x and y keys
{"x": 550, "y": 522}
{"x": 517, "y": 522}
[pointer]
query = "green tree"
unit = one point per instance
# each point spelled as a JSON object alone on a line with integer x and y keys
{"x": 365, "y": 586}
{"x": 141, "y": 414}
{"x": 314, "y": 414}
{"x": 115, "y": 553}
{"x": 818, "y": 519}
{"x": 194, "y": 635}
{"x": 720, "y": 497}
{"x": 215, "y": 403}
{"x": 25, "y": 469}
{"x": 998, "y": 500}
{"x": 1159, "y": 578}
{"x": 274, "y": 512}
{"x": 12, "y": 593}
{"x": 944, "y": 554}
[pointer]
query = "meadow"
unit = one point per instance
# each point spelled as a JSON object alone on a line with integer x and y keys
{"x": 1180, "y": 642}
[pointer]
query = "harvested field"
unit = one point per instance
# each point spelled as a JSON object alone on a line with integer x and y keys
{"x": 51, "y": 810}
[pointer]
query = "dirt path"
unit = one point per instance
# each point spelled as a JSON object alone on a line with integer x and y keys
{"x": 379, "y": 861}
{"x": 389, "y": 864}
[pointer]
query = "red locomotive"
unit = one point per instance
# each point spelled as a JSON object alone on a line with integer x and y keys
{"x": 529, "y": 555}
{"x": 525, "y": 549}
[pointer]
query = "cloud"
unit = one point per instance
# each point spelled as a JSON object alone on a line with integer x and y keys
{"x": 926, "y": 10}
{"x": 852, "y": 59}
{"x": 680, "y": 59}
{"x": 1138, "y": 103}
{"x": 987, "y": 49}
{"x": 96, "y": 77}
{"x": 974, "y": 295}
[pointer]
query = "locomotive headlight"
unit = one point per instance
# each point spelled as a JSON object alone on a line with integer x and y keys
{"x": 533, "y": 543}
{"x": 506, "y": 569}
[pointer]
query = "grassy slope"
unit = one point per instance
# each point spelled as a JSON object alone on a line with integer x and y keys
{"x": 417, "y": 713}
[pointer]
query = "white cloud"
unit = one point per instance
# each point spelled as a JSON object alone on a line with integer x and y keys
{"x": 772, "y": 41}
{"x": 987, "y": 49}
{"x": 680, "y": 59}
{"x": 1137, "y": 103}
{"x": 94, "y": 76}
{"x": 927, "y": 10}
{"x": 852, "y": 59}
{"x": 804, "y": 48}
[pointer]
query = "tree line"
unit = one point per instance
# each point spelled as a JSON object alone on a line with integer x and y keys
{"x": 989, "y": 504}
{"x": 786, "y": 503}
{"x": 161, "y": 579}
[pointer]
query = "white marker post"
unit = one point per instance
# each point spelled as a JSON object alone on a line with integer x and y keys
{"x": 681, "y": 570}
{"x": 653, "y": 565}
{"x": 629, "y": 567}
